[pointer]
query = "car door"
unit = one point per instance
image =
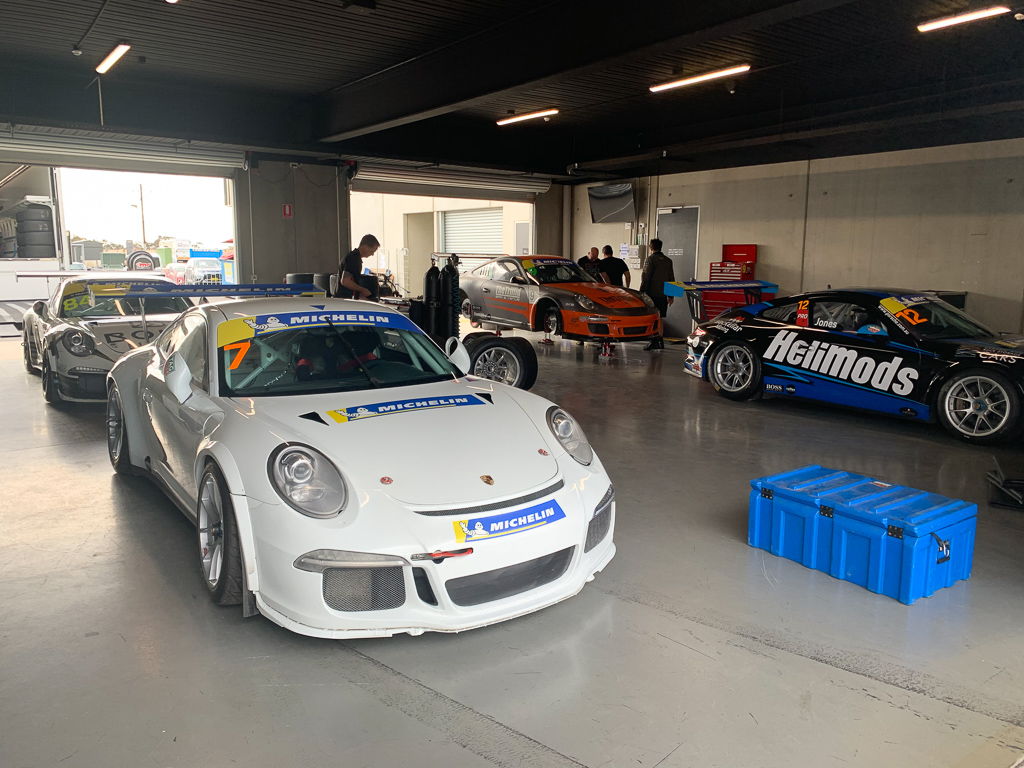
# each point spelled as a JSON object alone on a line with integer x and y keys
{"x": 837, "y": 349}
{"x": 178, "y": 426}
{"x": 507, "y": 299}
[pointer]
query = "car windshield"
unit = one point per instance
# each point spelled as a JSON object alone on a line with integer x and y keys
{"x": 546, "y": 272}
{"x": 338, "y": 358}
{"x": 929, "y": 318}
{"x": 78, "y": 301}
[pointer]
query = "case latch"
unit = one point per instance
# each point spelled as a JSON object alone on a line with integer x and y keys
{"x": 767, "y": 493}
{"x": 825, "y": 511}
{"x": 895, "y": 531}
{"x": 943, "y": 549}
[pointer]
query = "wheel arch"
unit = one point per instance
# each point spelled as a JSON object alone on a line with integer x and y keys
{"x": 217, "y": 454}
{"x": 540, "y": 308}
{"x": 939, "y": 378}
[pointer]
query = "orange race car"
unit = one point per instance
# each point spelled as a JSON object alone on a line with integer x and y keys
{"x": 550, "y": 293}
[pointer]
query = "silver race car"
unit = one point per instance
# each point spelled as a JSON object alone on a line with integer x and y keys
{"x": 75, "y": 337}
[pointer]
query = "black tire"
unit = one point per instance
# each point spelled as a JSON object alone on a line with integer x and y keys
{"x": 117, "y": 434}
{"x": 51, "y": 384}
{"x": 511, "y": 360}
{"x": 471, "y": 339}
{"x": 35, "y": 213}
{"x": 26, "y": 227}
{"x": 26, "y": 344}
{"x": 980, "y": 406}
{"x": 735, "y": 370}
{"x": 228, "y": 587}
{"x": 37, "y": 252}
{"x": 35, "y": 238}
{"x": 551, "y": 320}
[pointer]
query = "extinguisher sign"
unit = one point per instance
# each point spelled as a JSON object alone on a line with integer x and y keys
{"x": 287, "y": 211}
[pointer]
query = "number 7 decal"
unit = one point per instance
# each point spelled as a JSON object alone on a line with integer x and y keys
{"x": 243, "y": 348}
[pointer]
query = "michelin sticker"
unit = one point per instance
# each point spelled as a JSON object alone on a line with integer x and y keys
{"x": 359, "y": 412}
{"x": 242, "y": 328}
{"x": 507, "y": 523}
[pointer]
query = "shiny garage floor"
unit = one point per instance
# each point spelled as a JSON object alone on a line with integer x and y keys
{"x": 691, "y": 649}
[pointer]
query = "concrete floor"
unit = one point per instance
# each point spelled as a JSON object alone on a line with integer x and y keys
{"x": 691, "y": 649}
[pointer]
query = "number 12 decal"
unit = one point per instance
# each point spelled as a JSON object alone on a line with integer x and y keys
{"x": 803, "y": 313}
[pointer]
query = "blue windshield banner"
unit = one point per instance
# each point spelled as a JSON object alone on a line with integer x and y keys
{"x": 250, "y": 290}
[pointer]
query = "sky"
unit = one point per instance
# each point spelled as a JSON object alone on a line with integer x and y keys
{"x": 98, "y": 206}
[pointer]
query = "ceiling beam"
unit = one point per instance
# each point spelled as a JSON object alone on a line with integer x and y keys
{"x": 564, "y": 38}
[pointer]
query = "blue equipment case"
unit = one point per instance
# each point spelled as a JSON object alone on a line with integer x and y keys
{"x": 890, "y": 539}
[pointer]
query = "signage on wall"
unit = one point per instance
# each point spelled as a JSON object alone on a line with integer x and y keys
{"x": 287, "y": 211}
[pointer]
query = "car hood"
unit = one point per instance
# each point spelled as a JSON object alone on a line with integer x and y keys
{"x": 1008, "y": 346}
{"x": 117, "y": 335}
{"x": 606, "y": 295}
{"x": 438, "y": 443}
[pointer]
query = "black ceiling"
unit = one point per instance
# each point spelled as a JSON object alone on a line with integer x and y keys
{"x": 425, "y": 80}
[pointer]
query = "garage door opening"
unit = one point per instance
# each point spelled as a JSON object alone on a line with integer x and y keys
{"x": 54, "y": 219}
{"x": 413, "y": 228}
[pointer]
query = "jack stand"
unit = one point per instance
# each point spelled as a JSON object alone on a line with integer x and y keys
{"x": 547, "y": 339}
{"x": 497, "y": 332}
{"x": 607, "y": 350}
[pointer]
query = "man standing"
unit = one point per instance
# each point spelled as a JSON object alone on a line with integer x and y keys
{"x": 657, "y": 271}
{"x": 613, "y": 269}
{"x": 591, "y": 264}
{"x": 350, "y": 270}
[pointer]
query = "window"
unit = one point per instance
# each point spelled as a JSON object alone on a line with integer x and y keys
{"x": 839, "y": 316}
{"x": 505, "y": 271}
{"x": 783, "y": 314}
{"x": 485, "y": 271}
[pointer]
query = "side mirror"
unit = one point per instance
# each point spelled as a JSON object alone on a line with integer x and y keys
{"x": 872, "y": 329}
{"x": 458, "y": 354}
{"x": 40, "y": 308}
{"x": 178, "y": 377}
{"x": 518, "y": 279}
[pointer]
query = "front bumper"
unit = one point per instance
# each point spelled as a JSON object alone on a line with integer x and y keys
{"x": 598, "y": 326}
{"x": 693, "y": 363}
{"x": 84, "y": 380}
{"x": 550, "y": 562}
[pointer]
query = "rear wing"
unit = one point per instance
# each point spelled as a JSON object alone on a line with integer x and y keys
{"x": 220, "y": 290}
{"x": 693, "y": 290}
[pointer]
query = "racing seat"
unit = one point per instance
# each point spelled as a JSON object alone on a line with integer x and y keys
{"x": 364, "y": 342}
{"x": 314, "y": 358}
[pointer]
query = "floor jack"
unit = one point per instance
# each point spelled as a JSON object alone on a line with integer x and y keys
{"x": 607, "y": 349}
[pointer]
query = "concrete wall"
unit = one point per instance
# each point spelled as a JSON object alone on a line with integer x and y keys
{"x": 548, "y": 221}
{"x": 384, "y": 215}
{"x": 312, "y": 240}
{"x": 947, "y": 218}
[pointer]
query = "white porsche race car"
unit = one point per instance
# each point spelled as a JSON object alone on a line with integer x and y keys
{"x": 74, "y": 337}
{"x": 333, "y": 460}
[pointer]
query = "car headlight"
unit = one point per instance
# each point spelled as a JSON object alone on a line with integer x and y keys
{"x": 585, "y": 303}
{"x": 78, "y": 343}
{"x": 307, "y": 480}
{"x": 568, "y": 433}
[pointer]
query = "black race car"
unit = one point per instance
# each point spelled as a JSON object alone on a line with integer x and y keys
{"x": 906, "y": 353}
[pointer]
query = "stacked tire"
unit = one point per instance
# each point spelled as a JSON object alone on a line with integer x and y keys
{"x": 35, "y": 233}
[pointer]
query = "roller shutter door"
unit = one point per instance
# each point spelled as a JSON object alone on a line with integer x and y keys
{"x": 478, "y": 231}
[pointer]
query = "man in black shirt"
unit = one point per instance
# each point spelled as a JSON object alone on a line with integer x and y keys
{"x": 613, "y": 269}
{"x": 350, "y": 270}
{"x": 657, "y": 271}
{"x": 591, "y": 264}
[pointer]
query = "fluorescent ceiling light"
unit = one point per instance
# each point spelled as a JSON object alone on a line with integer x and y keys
{"x": 963, "y": 18}
{"x": 113, "y": 57}
{"x": 530, "y": 116}
{"x": 701, "y": 78}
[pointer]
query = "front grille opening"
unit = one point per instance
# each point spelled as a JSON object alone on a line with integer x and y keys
{"x": 423, "y": 588}
{"x": 511, "y": 580}
{"x": 635, "y": 330}
{"x": 364, "y": 589}
{"x": 598, "y": 328}
{"x": 598, "y": 528}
